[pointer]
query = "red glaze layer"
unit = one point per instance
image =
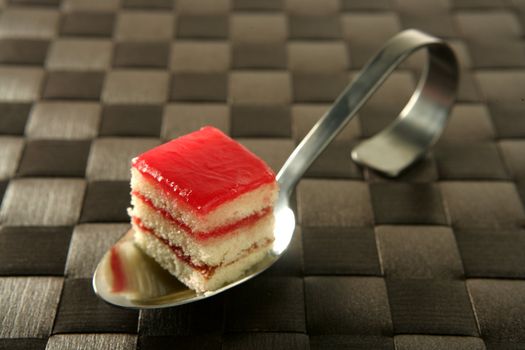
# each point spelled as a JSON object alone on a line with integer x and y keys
{"x": 203, "y": 236}
{"x": 204, "y": 169}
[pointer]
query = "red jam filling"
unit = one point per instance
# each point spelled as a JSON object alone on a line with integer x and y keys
{"x": 202, "y": 236}
{"x": 204, "y": 169}
{"x": 204, "y": 270}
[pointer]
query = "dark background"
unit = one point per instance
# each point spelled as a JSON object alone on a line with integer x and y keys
{"x": 432, "y": 260}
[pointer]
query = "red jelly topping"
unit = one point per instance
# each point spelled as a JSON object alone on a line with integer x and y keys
{"x": 204, "y": 169}
{"x": 220, "y": 231}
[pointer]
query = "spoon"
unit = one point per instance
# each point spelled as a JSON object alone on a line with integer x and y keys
{"x": 127, "y": 277}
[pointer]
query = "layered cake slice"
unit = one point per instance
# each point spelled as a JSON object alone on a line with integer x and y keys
{"x": 203, "y": 207}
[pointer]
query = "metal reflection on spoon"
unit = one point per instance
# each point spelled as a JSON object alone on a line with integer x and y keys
{"x": 128, "y": 277}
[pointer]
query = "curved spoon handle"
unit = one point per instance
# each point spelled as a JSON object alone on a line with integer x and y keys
{"x": 407, "y": 138}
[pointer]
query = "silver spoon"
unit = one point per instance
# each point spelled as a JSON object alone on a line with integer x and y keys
{"x": 127, "y": 277}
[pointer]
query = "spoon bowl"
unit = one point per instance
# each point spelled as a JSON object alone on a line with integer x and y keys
{"x": 127, "y": 277}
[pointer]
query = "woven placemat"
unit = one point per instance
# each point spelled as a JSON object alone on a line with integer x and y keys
{"x": 432, "y": 260}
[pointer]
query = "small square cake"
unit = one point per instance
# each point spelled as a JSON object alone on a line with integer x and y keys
{"x": 203, "y": 207}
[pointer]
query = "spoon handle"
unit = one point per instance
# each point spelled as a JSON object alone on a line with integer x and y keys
{"x": 415, "y": 129}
